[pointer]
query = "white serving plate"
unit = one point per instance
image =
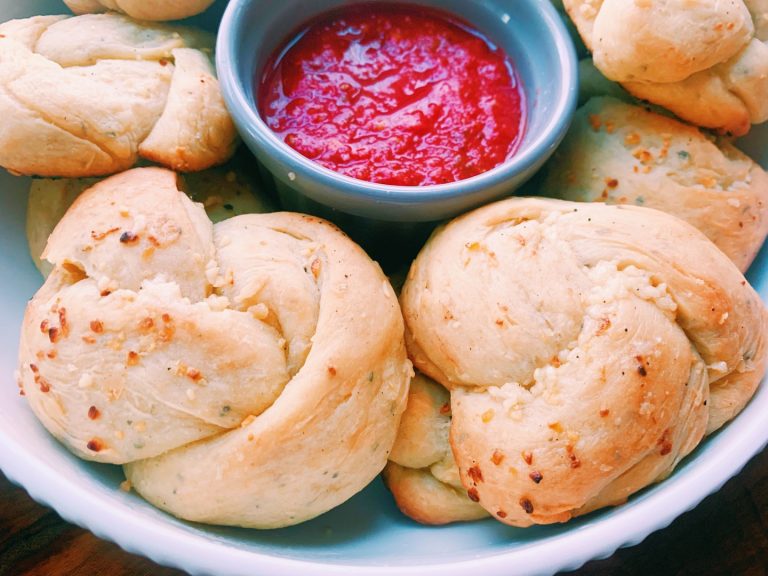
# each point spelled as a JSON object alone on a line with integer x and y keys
{"x": 367, "y": 535}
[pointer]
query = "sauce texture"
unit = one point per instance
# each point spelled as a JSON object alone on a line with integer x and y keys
{"x": 394, "y": 95}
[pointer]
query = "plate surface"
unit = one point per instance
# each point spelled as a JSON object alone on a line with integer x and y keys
{"x": 367, "y": 535}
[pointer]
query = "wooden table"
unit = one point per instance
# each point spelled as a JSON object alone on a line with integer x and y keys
{"x": 727, "y": 534}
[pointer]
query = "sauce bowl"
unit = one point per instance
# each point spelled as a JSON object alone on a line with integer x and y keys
{"x": 529, "y": 31}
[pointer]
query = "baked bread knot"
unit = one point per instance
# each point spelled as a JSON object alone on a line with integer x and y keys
{"x": 587, "y": 349}
{"x": 90, "y": 95}
{"x": 142, "y": 9}
{"x": 706, "y": 61}
{"x": 421, "y": 472}
{"x": 248, "y": 373}
{"x": 620, "y": 153}
{"x": 224, "y": 192}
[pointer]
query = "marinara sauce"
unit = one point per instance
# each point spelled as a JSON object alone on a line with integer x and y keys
{"x": 396, "y": 95}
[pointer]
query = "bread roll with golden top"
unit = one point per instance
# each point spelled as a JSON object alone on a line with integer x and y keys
{"x": 250, "y": 373}
{"x": 706, "y": 61}
{"x": 224, "y": 192}
{"x": 90, "y": 95}
{"x": 421, "y": 472}
{"x": 142, "y": 9}
{"x": 587, "y": 349}
{"x": 620, "y": 153}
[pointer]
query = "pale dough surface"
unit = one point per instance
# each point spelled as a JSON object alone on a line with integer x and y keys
{"x": 421, "y": 472}
{"x": 142, "y": 9}
{"x": 248, "y": 373}
{"x": 621, "y": 153}
{"x": 224, "y": 191}
{"x": 705, "y": 60}
{"x": 587, "y": 349}
{"x": 89, "y": 95}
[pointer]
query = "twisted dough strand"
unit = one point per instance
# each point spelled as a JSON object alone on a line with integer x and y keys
{"x": 587, "y": 349}
{"x": 89, "y": 95}
{"x": 249, "y": 373}
{"x": 706, "y": 61}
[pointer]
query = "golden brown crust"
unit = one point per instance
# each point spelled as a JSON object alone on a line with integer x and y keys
{"x": 588, "y": 348}
{"x": 422, "y": 497}
{"x": 421, "y": 472}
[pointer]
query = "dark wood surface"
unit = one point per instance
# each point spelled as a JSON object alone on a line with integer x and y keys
{"x": 726, "y": 534}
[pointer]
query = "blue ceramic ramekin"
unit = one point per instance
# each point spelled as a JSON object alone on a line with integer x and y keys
{"x": 530, "y": 31}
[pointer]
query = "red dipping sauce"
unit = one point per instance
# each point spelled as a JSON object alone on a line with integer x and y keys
{"x": 394, "y": 94}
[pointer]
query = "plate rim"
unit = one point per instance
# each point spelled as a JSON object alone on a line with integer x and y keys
{"x": 167, "y": 545}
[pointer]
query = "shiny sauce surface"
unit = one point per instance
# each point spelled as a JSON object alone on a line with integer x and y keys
{"x": 394, "y": 94}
